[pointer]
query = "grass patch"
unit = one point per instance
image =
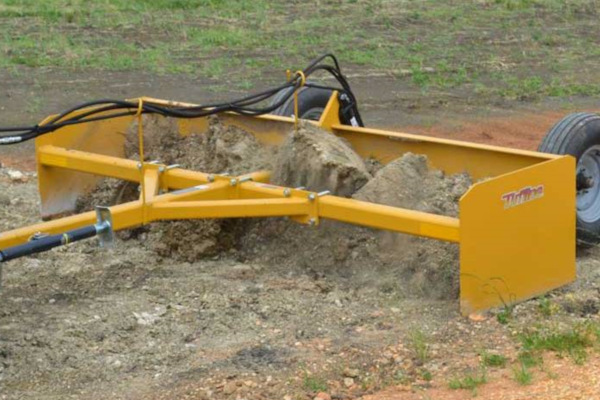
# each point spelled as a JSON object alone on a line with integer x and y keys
{"x": 505, "y": 315}
{"x": 522, "y": 374}
{"x": 314, "y": 383}
{"x": 493, "y": 360}
{"x": 573, "y": 343}
{"x": 516, "y": 49}
{"x": 469, "y": 381}
{"x": 420, "y": 347}
{"x": 529, "y": 358}
{"x": 425, "y": 374}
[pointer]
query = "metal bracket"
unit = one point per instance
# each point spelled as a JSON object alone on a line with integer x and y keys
{"x": 104, "y": 227}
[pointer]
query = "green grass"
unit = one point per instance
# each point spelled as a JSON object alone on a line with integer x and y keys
{"x": 469, "y": 381}
{"x": 419, "y": 345}
{"x": 493, "y": 360}
{"x": 425, "y": 374}
{"x": 505, "y": 315}
{"x": 314, "y": 383}
{"x": 522, "y": 374}
{"x": 573, "y": 342}
{"x": 516, "y": 49}
{"x": 529, "y": 358}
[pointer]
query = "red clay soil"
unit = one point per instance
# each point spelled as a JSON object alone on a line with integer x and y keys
{"x": 521, "y": 131}
{"x": 18, "y": 161}
{"x": 558, "y": 379}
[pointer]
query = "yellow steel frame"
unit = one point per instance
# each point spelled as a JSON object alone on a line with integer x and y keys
{"x": 507, "y": 254}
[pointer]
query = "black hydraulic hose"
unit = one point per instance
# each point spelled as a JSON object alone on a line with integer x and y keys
{"x": 248, "y": 105}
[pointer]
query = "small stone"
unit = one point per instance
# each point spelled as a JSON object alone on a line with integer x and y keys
{"x": 322, "y": 396}
{"x": 229, "y": 388}
{"x": 351, "y": 372}
{"x": 348, "y": 382}
{"x": 16, "y": 176}
{"x": 145, "y": 318}
{"x": 478, "y": 317}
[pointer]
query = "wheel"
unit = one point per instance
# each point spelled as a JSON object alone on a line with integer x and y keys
{"x": 311, "y": 102}
{"x": 579, "y": 135}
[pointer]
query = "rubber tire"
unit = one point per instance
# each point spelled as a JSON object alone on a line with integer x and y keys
{"x": 573, "y": 135}
{"x": 311, "y": 102}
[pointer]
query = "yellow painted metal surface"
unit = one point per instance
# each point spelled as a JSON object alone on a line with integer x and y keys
{"x": 229, "y": 209}
{"x": 60, "y": 187}
{"x": 389, "y": 218}
{"x": 517, "y": 235}
{"x": 331, "y": 113}
{"x": 75, "y": 160}
{"x": 450, "y": 156}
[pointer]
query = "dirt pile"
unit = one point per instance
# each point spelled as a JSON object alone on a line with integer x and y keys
{"x": 318, "y": 160}
{"x": 408, "y": 182}
{"x": 220, "y": 149}
{"x": 363, "y": 258}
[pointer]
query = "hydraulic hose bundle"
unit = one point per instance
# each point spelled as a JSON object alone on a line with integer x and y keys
{"x": 107, "y": 109}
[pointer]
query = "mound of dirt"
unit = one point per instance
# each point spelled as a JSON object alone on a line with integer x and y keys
{"x": 318, "y": 160}
{"x": 407, "y": 182}
{"x": 220, "y": 149}
{"x": 429, "y": 267}
{"x": 362, "y": 257}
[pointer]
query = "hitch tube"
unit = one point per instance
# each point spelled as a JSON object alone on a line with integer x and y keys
{"x": 102, "y": 229}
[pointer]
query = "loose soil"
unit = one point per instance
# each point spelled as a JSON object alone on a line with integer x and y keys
{"x": 164, "y": 307}
{"x": 270, "y": 317}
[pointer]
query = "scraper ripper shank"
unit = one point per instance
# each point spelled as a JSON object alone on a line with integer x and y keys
{"x": 516, "y": 229}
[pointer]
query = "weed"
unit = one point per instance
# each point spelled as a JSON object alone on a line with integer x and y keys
{"x": 529, "y": 358}
{"x": 470, "y": 381}
{"x": 545, "y": 306}
{"x": 314, "y": 383}
{"x": 493, "y": 360}
{"x": 573, "y": 342}
{"x": 401, "y": 378}
{"x": 505, "y": 315}
{"x": 418, "y": 341}
{"x": 522, "y": 375}
{"x": 425, "y": 374}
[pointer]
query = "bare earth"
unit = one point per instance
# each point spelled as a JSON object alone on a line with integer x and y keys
{"x": 266, "y": 317}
